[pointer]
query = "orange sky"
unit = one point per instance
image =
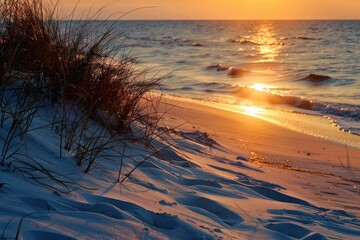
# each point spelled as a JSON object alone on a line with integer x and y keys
{"x": 227, "y": 9}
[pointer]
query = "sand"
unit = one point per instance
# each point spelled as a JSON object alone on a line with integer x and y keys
{"x": 286, "y": 155}
{"x": 224, "y": 176}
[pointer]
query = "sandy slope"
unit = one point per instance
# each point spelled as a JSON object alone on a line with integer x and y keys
{"x": 283, "y": 154}
{"x": 258, "y": 181}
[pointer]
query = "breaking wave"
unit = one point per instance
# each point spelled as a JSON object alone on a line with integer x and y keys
{"x": 316, "y": 79}
{"x": 343, "y": 110}
{"x": 243, "y": 41}
{"x": 232, "y": 71}
{"x": 307, "y": 38}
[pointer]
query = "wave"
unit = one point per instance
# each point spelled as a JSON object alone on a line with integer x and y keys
{"x": 342, "y": 110}
{"x": 344, "y": 116}
{"x": 316, "y": 79}
{"x": 268, "y": 97}
{"x": 237, "y": 72}
{"x": 306, "y": 38}
{"x": 217, "y": 85}
{"x": 247, "y": 41}
{"x": 300, "y": 38}
{"x": 243, "y": 41}
{"x": 186, "y": 89}
{"x": 232, "y": 71}
{"x": 166, "y": 40}
{"x": 218, "y": 67}
{"x": 186, "y": 42}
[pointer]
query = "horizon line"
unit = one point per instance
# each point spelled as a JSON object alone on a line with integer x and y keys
{"x": 295, "y": 19}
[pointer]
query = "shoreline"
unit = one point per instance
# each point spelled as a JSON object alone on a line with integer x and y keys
{"x": 285, "y": 155}
{"x": 287, "y": 119}
{"x": 249, "y": 128}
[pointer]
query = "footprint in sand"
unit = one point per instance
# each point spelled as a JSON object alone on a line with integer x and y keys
{"x": 294, "y": 216}
{"x": 291, "y": 222}
{"x": 196, "y": 182}
{"x": 165, "y": 203}
{"x": 149, "y": 165}
{"x": 159, "y": 220}
{"x": 150, "y": 186}
{"x": 211, "y": 187}
{"x": 106, "y": 209}
{"x": 224, "y": 214}
{"x": 245, "y": 179}
{"x": 277, "y": 196}
{"x": 166, "y": 221}
{"x": 289, "y": 229}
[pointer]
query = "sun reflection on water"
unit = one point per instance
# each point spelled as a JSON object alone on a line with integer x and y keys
{"x": 268, "y": 46}
{"x": 251, "y": 110}
{"x": 266, "y": 89}
{"x": 261, "y": 87}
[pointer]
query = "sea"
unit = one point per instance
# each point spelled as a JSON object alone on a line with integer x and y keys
{"x": 303, "y": 75}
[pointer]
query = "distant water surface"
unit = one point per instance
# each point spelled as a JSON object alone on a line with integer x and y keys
{"x": 269, "y": 69}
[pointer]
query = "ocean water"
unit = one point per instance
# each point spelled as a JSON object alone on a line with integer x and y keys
{"x": 304, "y": 75}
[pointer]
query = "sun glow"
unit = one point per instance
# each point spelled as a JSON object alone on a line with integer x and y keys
{"x": 261, "y": 87}
{"x": 224, "y": 9}
{"x": 251, "y": 110}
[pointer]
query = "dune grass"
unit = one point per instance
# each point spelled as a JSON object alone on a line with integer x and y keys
{"x": 68, "y": 66}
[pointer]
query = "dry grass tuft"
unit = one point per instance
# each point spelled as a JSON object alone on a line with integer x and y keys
{"x": 67, "y": 65}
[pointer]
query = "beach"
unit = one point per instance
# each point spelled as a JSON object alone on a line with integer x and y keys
{"x": 294, "y": 157}
{"x": 223, "y": 175}
{"x": 177, "y": 129}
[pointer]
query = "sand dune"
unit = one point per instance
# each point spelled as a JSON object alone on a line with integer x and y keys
{"x": 225, "y": 176}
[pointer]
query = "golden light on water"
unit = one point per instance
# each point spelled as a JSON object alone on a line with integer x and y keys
{"x": 260, "y": 87}
{"x": 269, "y": 47}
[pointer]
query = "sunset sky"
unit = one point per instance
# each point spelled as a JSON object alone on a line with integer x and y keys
{"x": 226, "y": 9}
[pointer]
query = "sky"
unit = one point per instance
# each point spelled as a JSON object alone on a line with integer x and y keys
{"x": 222, "y": 9}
